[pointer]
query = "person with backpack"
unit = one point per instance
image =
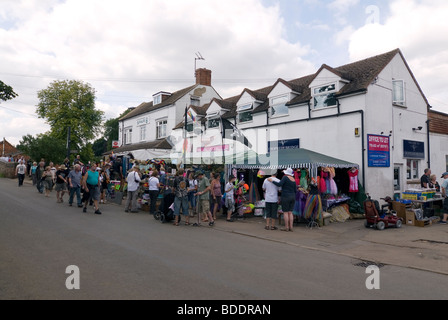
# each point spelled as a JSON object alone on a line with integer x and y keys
{"x": 180, "y": 189}
{"x": 133, "y": 180}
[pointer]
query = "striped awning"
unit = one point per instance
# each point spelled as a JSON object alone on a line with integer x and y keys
{"x": 294, "y": 159}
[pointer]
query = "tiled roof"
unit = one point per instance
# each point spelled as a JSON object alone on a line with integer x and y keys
{"x": 360, "y": 75}
{"x": 148, "y": 106}
{"x": 438, "y": 122}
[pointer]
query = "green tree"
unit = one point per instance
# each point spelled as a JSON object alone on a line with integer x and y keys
{"x": 70, "y": 103}
{"x": 99, "y": 147}
{"x": 6, "y": 92}
{"x": 43, "y": 146}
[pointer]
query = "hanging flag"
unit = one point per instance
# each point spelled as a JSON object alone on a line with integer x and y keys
{"x": 185, "y": 146}
{"x": 192, "y": 117}
{"x": 230, "y": 131}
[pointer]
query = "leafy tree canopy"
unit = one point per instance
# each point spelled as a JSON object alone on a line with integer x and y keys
{"x": 70, "y": 103}
{"x": 6, "y": 92}
{"x": 43, "y": 146}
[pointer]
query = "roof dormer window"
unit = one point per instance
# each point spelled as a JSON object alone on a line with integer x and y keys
{"x": 245, "y": 113}
{"x": 279, "y": 107}
{"x": 324, "y": 96}
{"x": 213, "y": 123}
{"x": 157, "y": 99}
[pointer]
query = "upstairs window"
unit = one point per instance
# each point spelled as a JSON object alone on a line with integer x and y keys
{"x": 196, "y": 102}
{"x": 161, "y": 129}
{"x": 213, "y": 123}
{"x": 324, "y": 96}
{"x": 142, "y": 133}
{"x": 245, "y": 113}
{"x": 157, "y": 99}
{"x": 128, "y": 135}
{"x": 398, "y": 92}
{"x": 278, "y": 106}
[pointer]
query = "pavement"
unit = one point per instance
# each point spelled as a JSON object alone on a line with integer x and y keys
{"x": 421, "y": 248}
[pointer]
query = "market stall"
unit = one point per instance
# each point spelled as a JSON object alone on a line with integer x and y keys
{"x": 325, "y": 183}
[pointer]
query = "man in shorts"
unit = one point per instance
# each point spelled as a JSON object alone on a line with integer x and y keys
{"x": 444, "y": 188}
{"x": 204, "y": 197}
{"x": 91, "y": 184}
{"x": 271, "y": 201}
{"x": 180, "y": 189}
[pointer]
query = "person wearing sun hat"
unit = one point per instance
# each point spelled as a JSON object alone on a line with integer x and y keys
{"x": 289, "y": 188}
{"x": 444, "y": 188}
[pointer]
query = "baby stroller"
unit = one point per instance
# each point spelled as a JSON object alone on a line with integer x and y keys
{"x": 380, "y": 218}
{"x": 165, "y": 212}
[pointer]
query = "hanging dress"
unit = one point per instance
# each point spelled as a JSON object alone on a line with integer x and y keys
{"x": 297, "y": 174}
{"x": 353, "y": 176}
{"x": 333, "y": 186}
{"x": 304, "y": 179}
{"x": 323, "y": 184}
{"x": 313, "y": 205}
{"x": 299, "y": 206}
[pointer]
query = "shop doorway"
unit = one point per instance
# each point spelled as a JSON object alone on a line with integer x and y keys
{"x": 397, "y": 178}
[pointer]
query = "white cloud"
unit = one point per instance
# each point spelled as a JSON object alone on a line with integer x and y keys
{"x": 418, "y": 29}
{"x": 152, "y": 41}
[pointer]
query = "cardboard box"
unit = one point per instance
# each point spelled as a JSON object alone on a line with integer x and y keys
{"x": 410, "y": 218}
{"x": 400, "y": 208}
{"x": 422, "y": 223}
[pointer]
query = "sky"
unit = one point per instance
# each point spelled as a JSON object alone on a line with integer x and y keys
{"x": 130, "y": 50}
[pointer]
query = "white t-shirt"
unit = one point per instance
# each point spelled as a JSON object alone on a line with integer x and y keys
{"x": 21, "y": 169}
{"x": 229, "y": 194}
{"x": 133, "y": 180}
{"x": 192, "y": 184}
{"x": 271, "y": 194}
{"x": 153, "y": 182}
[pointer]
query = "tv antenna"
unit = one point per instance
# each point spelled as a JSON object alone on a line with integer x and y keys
{"x": 198, "y": 57}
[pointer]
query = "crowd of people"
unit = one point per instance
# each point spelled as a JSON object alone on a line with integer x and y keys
{"x": 193, "y": 191}
{"x": 85, "y": 182}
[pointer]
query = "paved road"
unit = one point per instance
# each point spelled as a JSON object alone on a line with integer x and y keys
{"x": 133, "y": 256}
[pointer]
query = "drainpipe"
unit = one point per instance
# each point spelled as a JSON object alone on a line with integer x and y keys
{"x": 428, "y": 142}
{"x": 363, "y": 150}
{"x": 309, "y": 110}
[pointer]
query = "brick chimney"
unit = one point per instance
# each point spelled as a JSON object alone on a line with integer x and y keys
{"x": 204, "y": 77}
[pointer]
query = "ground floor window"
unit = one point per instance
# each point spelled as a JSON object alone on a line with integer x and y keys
{"x": 412, "y": 169}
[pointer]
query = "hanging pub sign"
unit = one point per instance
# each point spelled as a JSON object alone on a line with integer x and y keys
{"x": 283, "y": 145}
{"x": 378, "y": 151}
{"x": 413, "y": 149}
